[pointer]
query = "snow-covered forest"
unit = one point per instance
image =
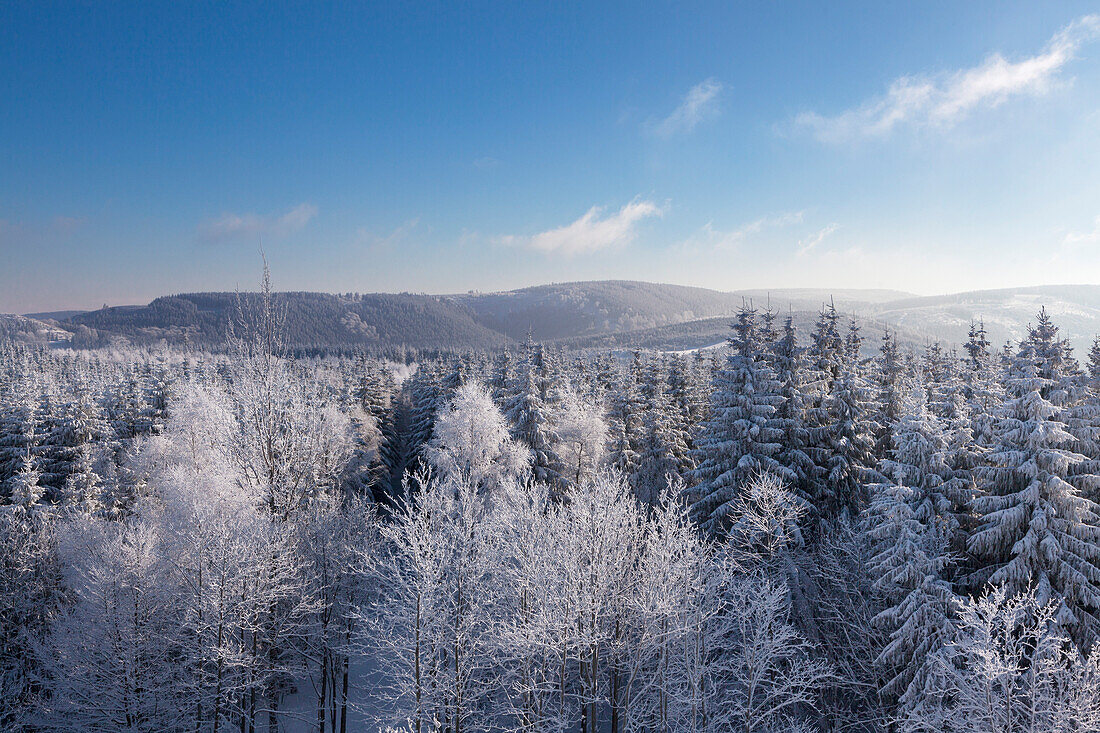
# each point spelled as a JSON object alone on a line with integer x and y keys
{"x": 779, "y": 535}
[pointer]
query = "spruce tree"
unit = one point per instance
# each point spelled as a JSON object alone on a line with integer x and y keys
{"x": 1037, "y": 528}
{"x": 888, "y": 377}
{"x": 790, "y": 415}
{"x": 839, "y": 427}
{"x": 909, "y": 564}
{"x": 624, "y": 421}
{"x": 528, "y": 412}
{"x": 1094, "y": 364}
{"x": 741, "y": 438}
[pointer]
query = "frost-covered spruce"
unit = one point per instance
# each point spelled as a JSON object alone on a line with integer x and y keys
{"x": 19, "y": 426}
{"x": 24, "y": 489}
{"x": 624, "y": 418}
{"x": 909, "y": 564}
{"x": 1037, "y": 529}
{"x": 1094, "y": 363}
{"x": 840, "y": 431}
{"x": 685, "y": 393}
{"x": 912, "y": 522}
{"x": 922, "y": 457}
{"x": 887, "y": 375}
{"x": 741, "y": 438}
{"x": 425, "y": 395}
{"x": 982, "y": 387}
{"x": 663, "y": 448}
{"x": 790, "y": 416}
{"x": 531, "y": 416}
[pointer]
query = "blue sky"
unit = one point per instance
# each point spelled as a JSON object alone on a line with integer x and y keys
{"x": 149, "y": 148}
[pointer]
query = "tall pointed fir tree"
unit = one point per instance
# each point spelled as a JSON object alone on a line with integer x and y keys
{"x": 853, "y": 345}
{"x": 606, "y": 376}
{"x": 849, "y": 452}
{"x": 839, "y": 426}
{"x": 624, "y": 423}
{"x": 887, "y": 374}
{"x": 663, "y": 448}
{"x": 77, "y": 439}
{"x": 18, "y": 425}
{"x": 790, "y": 416}
{"x": 684, "y": 393}
{"x": 501, "y": 377}
{"x": 740, "y": 439}
{"x": 376, "y": 392}
{"x": 909, "y": 562}
{"x": 24, "y": 490}
{"x": 528, "y": 412}
{"x": 424, "y": 397}
{"x": 914, "y": 521}
{"x": 982, "y": 386}
{"x": 1094, "y": 364}
{"x": 1037, "y": 529}
{"x": 923, "y": 459}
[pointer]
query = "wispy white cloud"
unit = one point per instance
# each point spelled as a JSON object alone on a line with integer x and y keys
{"x": 237, "y": 226}
{"x": 700, "y": 103}
{"x": 805, "y": 246}
{"x": 1076, "y": 239}
{"x": 399, "y": 234}
{"x": 717, "y": 239}
{"x": 943, "y": 100}
{"x": 591, "y": 232}
{"x": 486, "y": 162}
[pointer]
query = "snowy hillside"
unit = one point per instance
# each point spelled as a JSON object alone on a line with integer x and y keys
{"x": 616, "y": 314}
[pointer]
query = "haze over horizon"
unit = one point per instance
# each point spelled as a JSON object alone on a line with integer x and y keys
{"x": 153, "y": 150}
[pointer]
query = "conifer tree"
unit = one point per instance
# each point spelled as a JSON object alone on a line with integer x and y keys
{"x": 982, "y": 389}
{"x": 663, "y": 449}
{"x": 909, "y": 566}
{"x": 853, "y": 344}
{"x": 923, "y": 459}
{"x": 501, "y": 378}
{"x": 624, "y": 420}
{"x": 741, "y": 438}
{"x": 1037, "y": 529}
{"x": 887, "y": 375}
{"x": 790, "y": 416}
{"x": 1094, "y": 363}
{"x": 529, "y": 413}
{"x": 24, "y": 489}
{"x": 838, "y": 425}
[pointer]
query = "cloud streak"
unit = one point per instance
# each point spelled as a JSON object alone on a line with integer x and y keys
{"x": 716, "y": 239}
{"x": 592, "y": 232}
{"x": 805, "y": 246}
{"x": 398, "y": 236}
{"x": 941, "y": 101}
{"x": 700, "y": 103}
{"x": 245, "y": 226}
{"x": 1075, "y": 239}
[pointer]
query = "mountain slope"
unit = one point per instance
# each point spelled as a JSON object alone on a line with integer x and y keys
{"x": 613, "y": 313}
{"x": 1006, "y": 313}
{"x": 31, "y": 330}
{"x": 569, "y": 310}
{"x": 313, "y": 320}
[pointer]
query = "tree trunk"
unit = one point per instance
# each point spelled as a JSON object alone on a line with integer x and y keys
{"x": 321, "y": 693}
{"x": 344, "y": 698}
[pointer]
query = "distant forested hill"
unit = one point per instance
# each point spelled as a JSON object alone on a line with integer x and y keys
{"x": 603, "y": 314}
{"x": 570, "y": 310}
{"x": 313, "y": 320}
